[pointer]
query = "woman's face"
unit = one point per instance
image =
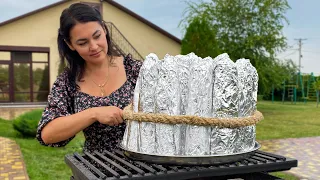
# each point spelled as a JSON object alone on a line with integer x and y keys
{"x": 89, "y": 40}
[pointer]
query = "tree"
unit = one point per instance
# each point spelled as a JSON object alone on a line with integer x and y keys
{"x": 21, "y": 77}
{"x": 4, "y": 79}
{"x": 44, "y": 85}
{"x": 37, "y": 75}
{"x": 249, "y": 29}
{"x": 200, "y": 39}
{"x": 316, "y": 86}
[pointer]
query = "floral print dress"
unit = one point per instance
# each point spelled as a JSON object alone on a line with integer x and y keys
{"x": 64, "y": 100}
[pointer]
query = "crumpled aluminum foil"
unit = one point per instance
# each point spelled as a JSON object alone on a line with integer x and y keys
{"x": 167, "y": 102}
{"x": 199, "y": 104}
{"x": 225, "y": 87}
{"x": 183, "y": 69}
{"x": 225, "y": 104}
{"x": 248, "y": 89}
{"x": 142, "y": 134}
{"x": 190, "y": 85}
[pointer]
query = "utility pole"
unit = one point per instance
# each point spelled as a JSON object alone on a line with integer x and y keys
{"x": 300, "y": 55}
{"x": 299, "y": 73}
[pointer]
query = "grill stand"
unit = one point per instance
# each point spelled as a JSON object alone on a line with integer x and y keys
{"x": 110, "y": 166}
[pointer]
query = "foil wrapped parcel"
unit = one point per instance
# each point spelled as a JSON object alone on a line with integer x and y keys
{"x": 191, "y": 85}
{"x": 225, "y": 104}
{"x": 167, "y": 101}
{"x": 199, "y": 104}
{"x": 248, "y": 88}
{"x": 140, "y": 136}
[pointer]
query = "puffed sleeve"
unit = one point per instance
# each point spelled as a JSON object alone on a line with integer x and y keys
{"x": 59, "y": 104}
{"x": 133, "y": 68}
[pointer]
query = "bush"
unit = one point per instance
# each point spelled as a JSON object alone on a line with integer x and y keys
{"x": 27, "y": 123}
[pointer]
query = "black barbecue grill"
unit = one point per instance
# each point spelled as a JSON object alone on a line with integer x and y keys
{"x": 115, "y": 165}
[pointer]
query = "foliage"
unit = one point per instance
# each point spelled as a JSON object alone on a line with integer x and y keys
{"x": 27, "y": 123}
{"x": 6, "y": 129}
{"x": 42, "y": 162}
{"x": 272, "y": 72}
{"x": 244, "y": 29}
{"x": 40, "y": 81}
{"x": 4, "y": 77}
{"x": 44, "y": 85}
{"x": 22, "y": 77}
{"x": 200, "y": 38}
{"x": 316, "y": 85}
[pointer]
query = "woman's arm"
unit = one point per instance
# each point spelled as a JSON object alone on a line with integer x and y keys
{"x": 63, "y": 128}
{"x": 59, "y": 123}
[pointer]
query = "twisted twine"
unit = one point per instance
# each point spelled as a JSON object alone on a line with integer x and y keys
{"x": 233, "y": 122}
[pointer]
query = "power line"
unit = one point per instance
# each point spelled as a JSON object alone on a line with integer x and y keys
{"x": 289, "y": 54}
{"x": 313, "y": 37}
{"x": 311, "y": 51}
{"x": 291, "y": 46}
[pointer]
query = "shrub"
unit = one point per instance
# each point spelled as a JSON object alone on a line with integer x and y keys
{"x": 27, "y": 123}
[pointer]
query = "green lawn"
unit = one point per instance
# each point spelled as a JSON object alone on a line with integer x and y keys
{"x": 281, "y": 121}
{"x": 42, "y": 162}
{"x": 288, "y": 120}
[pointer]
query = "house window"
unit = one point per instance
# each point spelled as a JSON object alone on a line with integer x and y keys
{"x": 24, "y": 74}
{"x": 21, "y": 56}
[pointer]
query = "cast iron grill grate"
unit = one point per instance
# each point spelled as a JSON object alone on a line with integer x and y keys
{"x": 114, "y": 165}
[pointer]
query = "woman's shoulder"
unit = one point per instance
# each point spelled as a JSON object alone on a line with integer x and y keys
{"x": 63, "y": 77}
{"x": 64, "y": 80}
{"x": 133, "y": 64}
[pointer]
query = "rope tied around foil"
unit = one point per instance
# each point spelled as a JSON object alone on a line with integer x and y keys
{"x": 234, "y": 122}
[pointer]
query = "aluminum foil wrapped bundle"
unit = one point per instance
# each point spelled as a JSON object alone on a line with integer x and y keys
{"x": 167, "y": 101}
{"x": 183, "y": 70}
{"x": 190, "y": 85}
{"x": 199, "y": 104}
{"x": 225, "y": 105}
{"x": 248, "y": 88}
{"x": 141, "y": 135}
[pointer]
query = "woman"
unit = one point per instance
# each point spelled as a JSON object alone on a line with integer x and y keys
{"x": 96, "y": 85}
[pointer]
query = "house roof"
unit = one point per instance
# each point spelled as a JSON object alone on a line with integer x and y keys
{"x": 113, "y": 3}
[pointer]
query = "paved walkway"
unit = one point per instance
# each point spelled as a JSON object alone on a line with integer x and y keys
{"x": 11, "y": 161}
{"x": 305, "y": 150}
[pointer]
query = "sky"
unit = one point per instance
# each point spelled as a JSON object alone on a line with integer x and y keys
{"x": 303, "y": 23}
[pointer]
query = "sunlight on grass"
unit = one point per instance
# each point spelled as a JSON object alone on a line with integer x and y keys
{"x": 288, "y": 120}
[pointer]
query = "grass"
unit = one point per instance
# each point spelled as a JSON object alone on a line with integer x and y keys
{"x": 42, "y": 162}
{"x": 281, "y": 121}
{"x": 288, "y": 120}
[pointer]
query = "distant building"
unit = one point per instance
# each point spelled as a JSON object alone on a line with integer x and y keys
{"x": 29, "y": 58}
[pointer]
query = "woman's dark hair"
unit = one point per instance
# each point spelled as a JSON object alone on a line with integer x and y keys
{"x": 77, "y": 13}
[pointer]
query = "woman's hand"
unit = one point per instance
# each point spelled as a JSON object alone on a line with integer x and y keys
{"x": 109, "y": 115}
